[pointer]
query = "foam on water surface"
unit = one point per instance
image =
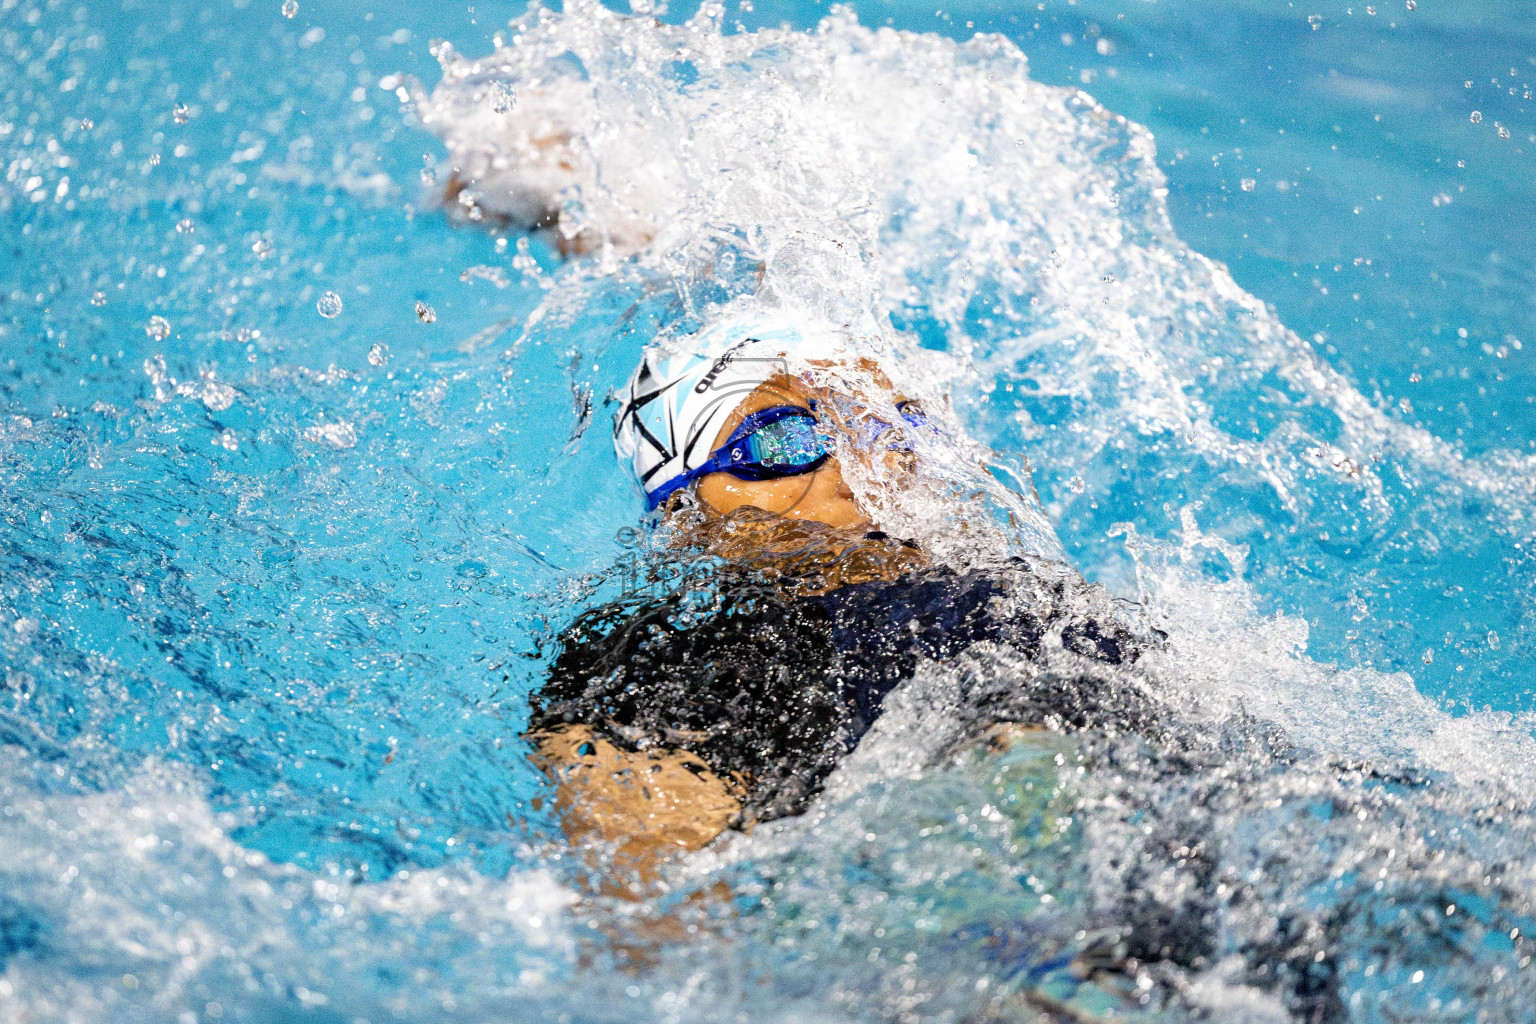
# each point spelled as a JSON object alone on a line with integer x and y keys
{"x": 274, "y": 605}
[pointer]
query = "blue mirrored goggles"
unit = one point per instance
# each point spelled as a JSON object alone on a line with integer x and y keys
{"x": 782, "y": 441}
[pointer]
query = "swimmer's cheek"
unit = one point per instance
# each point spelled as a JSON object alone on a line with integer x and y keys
{"x": 822, "y": 497}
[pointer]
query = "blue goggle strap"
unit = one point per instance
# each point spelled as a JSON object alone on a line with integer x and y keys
{"x": 871, "y": 428}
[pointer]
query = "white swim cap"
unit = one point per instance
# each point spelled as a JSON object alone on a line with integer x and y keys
{"x": 675, "y": 405}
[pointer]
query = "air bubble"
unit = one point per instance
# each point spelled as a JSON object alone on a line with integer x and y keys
{"x": 181, "y": 115}
{"x": 86, "y": 124}
{"x": 1503, "y": 132}
{"x": 329, "y": 305}
{"x": 184, "y": 226}
{"x": 1371, "y": 11}
{"x": 99, "y": 299}
{"x": 1413, "y": 5}
{"x": 1249, "y": 184}
{"x": 158, "y": 328}
{"x": 290, "y": 8}
{"x": 262, "y": 248}
{"x": 378, "y": 355}
{"x": 425, "y": 313}
{"x": 1477, "y": 116}
{"x": 1315, "y": 20}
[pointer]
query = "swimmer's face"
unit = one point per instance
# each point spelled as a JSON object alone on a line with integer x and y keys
{"x": 820, "y": 496}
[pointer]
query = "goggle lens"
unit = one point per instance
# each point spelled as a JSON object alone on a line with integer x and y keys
{"x": 789, "y": 443}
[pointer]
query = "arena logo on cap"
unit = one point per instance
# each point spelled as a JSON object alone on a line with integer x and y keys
{"x": 779, "y": 366}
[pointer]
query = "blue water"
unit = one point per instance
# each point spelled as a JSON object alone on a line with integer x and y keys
{"x": 277, "y": 585}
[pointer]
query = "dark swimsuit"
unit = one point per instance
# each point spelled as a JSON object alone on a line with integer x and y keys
{"x": 774, "y": 691}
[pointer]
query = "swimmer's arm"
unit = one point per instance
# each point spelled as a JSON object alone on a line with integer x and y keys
{"x": 644, "y": 806}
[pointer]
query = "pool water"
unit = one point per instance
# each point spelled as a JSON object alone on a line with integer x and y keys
{"x": 301, "y": 475}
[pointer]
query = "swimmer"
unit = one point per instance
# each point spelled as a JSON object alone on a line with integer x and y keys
{"x": 668, "y": 720}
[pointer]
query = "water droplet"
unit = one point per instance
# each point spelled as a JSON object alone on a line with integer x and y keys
{"x": 378, "y": 355}
{"x": 217, "y": 395}
{"x": 184, "y": 226}
{"x": 1315, "y": 20}
{"x": 1249, "y": 184}
{"x": 338, "y": 435}
{"x": 495, "y": 275}
{"x": 503, "y": 97}
{"x": 181, "y": 115}
{"x": 1428, "y": 657}
{"x": 329, "y": 305}
{"x": 425, "y": 313}
{"x": 159, "y": 328}
{"x": 99, "y": 299}
{"x": 290, "y": 8}
{"x": 86, "y": 124}
{"x": 262, "y": 248}
{"x": 1477, "y": 116}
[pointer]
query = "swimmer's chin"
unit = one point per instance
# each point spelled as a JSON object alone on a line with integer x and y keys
{"x": 802, "y": 552}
